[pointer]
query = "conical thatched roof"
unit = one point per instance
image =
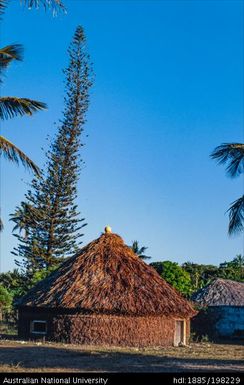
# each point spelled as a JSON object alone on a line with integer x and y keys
{"x": 107, "y": 277}
{"x": 220, "y": 292}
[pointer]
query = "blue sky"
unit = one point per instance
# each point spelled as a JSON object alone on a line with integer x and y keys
{"x": 168, "y": 89}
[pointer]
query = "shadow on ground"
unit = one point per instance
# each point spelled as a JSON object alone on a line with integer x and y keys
{"x": 47, "y": 358}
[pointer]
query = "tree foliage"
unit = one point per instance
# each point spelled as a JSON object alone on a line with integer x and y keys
{"x": 17, "y": 283}
{"x": 5, "y": 300}
{"x": 139, "y": 250}
{"x": 12, "y": 106}
{"x": 232, "y": 154}
{"x": 190, "y": 276}
{"x": 200, "y": 274}
{"x": 54, "y": 5}
{"x": 14, "y": 282}
{"x": 174, "y": 275}
{"x": 48, "y": 220}
{"x": 232, "y": 270}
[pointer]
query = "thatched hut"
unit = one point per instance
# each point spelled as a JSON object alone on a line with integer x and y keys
{"x": 105, "y": 294}
{"x": 222, "y": 309}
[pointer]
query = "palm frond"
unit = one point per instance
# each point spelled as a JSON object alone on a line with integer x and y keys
{"x": 139, "y": 251}
{"x": 236, "y": 216}
{"x": 1, "y": 225}
{"x": 233, "y": 155}
{"x": 3, "y": 4}
{"x": 143, "y": 256}
{"x": 13, "y": 106}
{"x": 24, "y": 217}
{"x": 142, "y": 249}
{"x": 135, "y": 246}
{"x": 55, "y": 5}
{"x": 14, "y": 154}
{"x": 10, "y": 53}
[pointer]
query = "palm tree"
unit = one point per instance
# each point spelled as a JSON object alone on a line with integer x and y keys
{"x": 24, "y": 218}
{"x": 12, "y": 106}
{"x": 2, "y": 6}
{"x": 47, "y": 4}
{"x": 139, "y": 251}
{"x": 232, "y": 154}
{"x": 55, "y": 5}
{"x": 15, "y": 106}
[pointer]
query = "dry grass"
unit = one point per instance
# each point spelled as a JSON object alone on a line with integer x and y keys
{"x": 50, "y": 357}
{"x": 106, "y": 277}
{"x": 114, "y": 330}
{"x": 221, "y": 292}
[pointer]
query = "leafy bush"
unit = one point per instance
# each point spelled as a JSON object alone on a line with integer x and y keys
{"x": 5, "y": 300}
{"x": 174, "y": 275}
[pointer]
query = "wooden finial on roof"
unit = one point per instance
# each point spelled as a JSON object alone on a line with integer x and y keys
{"x": 108, "y": 229}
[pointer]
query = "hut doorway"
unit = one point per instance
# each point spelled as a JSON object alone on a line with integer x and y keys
{"x": 180, "y": 337}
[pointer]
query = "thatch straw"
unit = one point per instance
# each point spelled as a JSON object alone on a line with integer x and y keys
{"x": 220, "y": 292}
{"x": 114, "y": 330}
{"x": 107, "y": 277}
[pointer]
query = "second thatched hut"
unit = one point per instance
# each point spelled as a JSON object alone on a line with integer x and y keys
{"x": 221, "y": 305}
{"x": 105, "y": 294}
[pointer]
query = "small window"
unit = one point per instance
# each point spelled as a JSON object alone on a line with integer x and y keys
{"x": 38, "y": 327}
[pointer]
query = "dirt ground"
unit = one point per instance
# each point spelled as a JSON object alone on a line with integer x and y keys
{"x": 17, "y": 356}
